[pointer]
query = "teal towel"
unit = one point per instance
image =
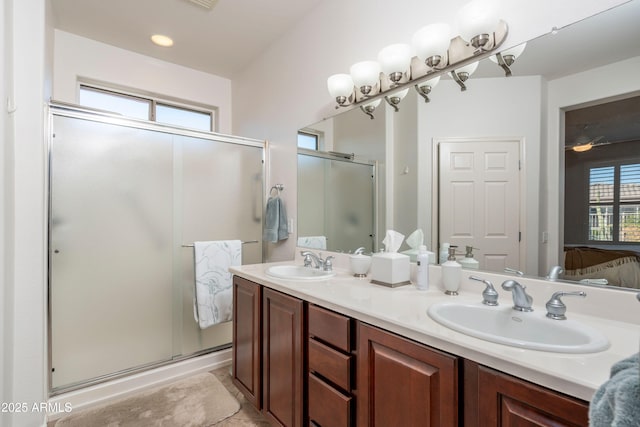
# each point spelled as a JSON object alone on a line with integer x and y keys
{"x": 616, "y": 403}
{"x": 283, "y": 227}
{"x": 275, "y": 224}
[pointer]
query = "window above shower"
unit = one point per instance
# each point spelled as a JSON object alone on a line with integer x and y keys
{"x": 148, "y": 108}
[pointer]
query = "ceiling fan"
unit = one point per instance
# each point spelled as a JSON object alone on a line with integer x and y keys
{"x": 585, "y": 143}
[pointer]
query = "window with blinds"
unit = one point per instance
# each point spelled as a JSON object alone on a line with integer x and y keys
{"x": 614, "y": 203}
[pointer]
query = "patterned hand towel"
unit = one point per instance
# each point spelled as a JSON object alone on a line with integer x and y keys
{"x": 213, "y": 300}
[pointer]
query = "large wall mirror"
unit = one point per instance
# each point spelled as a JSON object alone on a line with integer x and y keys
{"x": 559, "y": 74}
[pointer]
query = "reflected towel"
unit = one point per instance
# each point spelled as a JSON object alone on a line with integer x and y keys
{"x": 213, "y": 299}
{"x": 617, "y": 402}
{"x": 275, "y": 226}
{"x": 313, "y": 242}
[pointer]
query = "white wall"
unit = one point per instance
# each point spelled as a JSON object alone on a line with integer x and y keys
{"x": 6, "y": 167}
{"x": 24, "y": 345}
{"x": 77, "y": 57}
{"x": 578, "y": 90}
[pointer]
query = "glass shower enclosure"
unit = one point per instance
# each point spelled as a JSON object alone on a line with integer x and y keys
{"x": 127, "y": 199}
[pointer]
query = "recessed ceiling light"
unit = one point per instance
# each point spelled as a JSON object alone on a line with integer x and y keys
{"x": 161, "y": 40}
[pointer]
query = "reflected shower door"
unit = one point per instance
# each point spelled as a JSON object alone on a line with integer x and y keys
{"x": 336, "y": 199}
{"x": 350, "y": 205}
{"x": 111, "y": 249}
{"x": 221, "y": 190}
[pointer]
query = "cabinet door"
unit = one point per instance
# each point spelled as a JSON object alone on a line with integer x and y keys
{"x": 403, "y": 383}
{"x": 282, "y": 328}
{"x": 507, "y": 401}
{"x": 247, "y": 298}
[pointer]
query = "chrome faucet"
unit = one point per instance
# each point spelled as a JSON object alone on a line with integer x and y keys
{"x": 556, "y": 308}
{"x": 318, "y": 262}
{"x": 521, "y": 300}
{"x": 513, "y": 271}
{"x": 555, "y": 272}
{"x": 489, "y": 295}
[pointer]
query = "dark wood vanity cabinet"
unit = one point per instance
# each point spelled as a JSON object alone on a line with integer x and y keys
{"x": 247, "y": 339}
{"x": 493, "y": 398}
{"x": 403, "y": 383}
{"x": 268, "y": 356}
{"x": 282, "y": 359}
{"x": 331, "y": 368}
{"x": 301, "y": 364}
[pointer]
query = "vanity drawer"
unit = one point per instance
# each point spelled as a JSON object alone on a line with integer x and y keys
{"x": 330, "y": 364}
{"x": 332, "y": 328}
{"x": 327, "y": 406}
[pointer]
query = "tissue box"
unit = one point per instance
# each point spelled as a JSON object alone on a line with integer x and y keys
{"x": 390, "y": 269}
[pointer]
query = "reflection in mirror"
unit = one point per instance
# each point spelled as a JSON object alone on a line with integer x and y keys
{"x": 336, "y": 196}
{"x": 556, "y": 73}
{"x": 602, "y": 193}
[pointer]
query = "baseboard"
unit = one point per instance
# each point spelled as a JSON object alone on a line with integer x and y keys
{"x": 94, "y": 395}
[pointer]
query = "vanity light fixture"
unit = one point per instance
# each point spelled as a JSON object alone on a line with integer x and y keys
{"x": 462, "y": 74}
{"x": 437, "y": 53}
{"x": 162, "y": 40}
{"x": 395, "y": 98}
{"x": 425, "y": 88}
{"x": 370, "y": 107}
{"x": 506, "y": 58}
{"x": 395, "y": 62}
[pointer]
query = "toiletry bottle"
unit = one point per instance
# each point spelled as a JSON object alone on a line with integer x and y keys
{"x": 468, "y": 261}
{"x": 451, "y": 273}
{"x": 422, "y": 269}
{"x": 444, "y": 253}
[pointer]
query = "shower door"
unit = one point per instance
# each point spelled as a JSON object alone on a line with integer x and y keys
{"x": 127, "y": 201}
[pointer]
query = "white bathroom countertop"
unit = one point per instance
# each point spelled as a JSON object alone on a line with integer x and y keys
{"x": 403, "y": 310}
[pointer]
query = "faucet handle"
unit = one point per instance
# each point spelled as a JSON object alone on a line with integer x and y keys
{"x": 555, "y": 307}
{"x": 489, "y": 295}
{"x": 328, "y": 264}
{"x": 307, "y": 258}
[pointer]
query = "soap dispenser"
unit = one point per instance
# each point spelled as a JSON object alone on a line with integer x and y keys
{"x": 451, "y": 273}
{"x": 468, "y": 261}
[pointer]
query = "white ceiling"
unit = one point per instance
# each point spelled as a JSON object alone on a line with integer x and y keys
{"x": 220, "y": 41}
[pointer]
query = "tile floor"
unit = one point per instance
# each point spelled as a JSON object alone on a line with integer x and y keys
{"x": 247, "y": 415}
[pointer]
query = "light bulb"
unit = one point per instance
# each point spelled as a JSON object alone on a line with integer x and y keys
{"x": 395, "y": 60}
{"x": 340, "y": 87}
{"x": 431, "y": 43}
{"x": 477, "y": 19}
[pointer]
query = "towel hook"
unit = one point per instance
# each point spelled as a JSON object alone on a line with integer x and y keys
{"x": 278, "y": 188}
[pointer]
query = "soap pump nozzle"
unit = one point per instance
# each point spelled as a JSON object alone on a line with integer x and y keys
{"x": 452, "y": 253}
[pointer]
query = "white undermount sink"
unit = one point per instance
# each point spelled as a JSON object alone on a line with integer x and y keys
{"x": 532, "y": 330}
{"x": 298, "y": 272}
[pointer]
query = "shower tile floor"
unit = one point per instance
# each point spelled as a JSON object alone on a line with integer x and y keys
{"x": 247, "y": 416}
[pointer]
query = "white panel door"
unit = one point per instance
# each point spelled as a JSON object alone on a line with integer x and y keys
{"x": 479, "y": 200}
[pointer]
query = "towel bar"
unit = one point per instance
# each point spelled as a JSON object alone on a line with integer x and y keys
{"x": 244, "y": 243}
